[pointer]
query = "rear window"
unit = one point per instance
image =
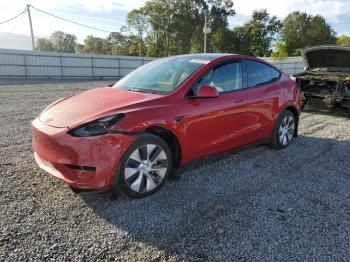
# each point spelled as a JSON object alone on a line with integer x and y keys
{"x": 260, "y": 73}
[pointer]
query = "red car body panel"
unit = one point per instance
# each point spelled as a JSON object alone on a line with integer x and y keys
{"x": 56, "y": 152}
{"x": 205, "y": 126}
{"x": 92, "y": 103}
{"x": 219, "y": 135}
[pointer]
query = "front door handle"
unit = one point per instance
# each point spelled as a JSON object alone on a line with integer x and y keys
{"x": 179, "y": 118}
{"x": 239, "y": 101}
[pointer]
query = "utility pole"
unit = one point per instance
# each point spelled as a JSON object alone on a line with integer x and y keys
{"x": 206, "y": 30}
{"x": 31, "y": 26}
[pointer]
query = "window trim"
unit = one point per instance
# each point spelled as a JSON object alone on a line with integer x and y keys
{"x": 261, "y": 62}
{"x": 222, "y": 63}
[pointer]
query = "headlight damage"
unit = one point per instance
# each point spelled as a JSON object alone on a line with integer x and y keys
{"x": 98, "y": 127}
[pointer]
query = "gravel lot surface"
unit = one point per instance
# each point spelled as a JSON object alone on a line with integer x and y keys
{"x": 255, "y": 205}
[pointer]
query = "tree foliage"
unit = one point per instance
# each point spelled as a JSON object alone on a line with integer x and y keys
{"x": 119, "y": 44}
{"x": 300, "y": 30}
{"x": 96, "y": 45}
{"x": 58, "y": 42}
{"x": 43, "y": 44}
{"x": 343, "y": 40}
{"x": 280, "y": 51}
{"x": 63, "y": 42}
{"x": 256, "y": 36}
{"x": 137, "y": 20}
{"x": 176, "y": 26}
{"x": 170, "y": 27}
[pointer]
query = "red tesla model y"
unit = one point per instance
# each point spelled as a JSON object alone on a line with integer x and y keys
{"x": 130, "y": 136}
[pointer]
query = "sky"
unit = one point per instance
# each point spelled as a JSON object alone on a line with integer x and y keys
{"x": 110, "y": 15}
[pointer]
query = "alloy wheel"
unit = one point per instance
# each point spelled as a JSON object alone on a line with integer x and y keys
{"x": 286, "y": 130}
{"x": 145, "y": 169}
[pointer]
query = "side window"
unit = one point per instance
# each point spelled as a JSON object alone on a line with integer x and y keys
{"x": 225, "y": 78}
{"x": 259, "y": 73}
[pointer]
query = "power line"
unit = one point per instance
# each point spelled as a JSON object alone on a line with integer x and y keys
{"x": 8, "y": 20}
{"x": 67, "y": 20}
{"x": 13, "y": 29}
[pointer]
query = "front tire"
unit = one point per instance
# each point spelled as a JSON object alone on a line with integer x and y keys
{"x": 144, "y": 167}
{"x": 284, "y": 130}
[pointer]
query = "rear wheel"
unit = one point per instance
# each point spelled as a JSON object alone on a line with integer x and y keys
{"x": 144, "y": 167}
{"x": 284, "y": 130}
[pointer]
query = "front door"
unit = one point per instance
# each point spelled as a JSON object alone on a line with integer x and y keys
{"x": 214, "y": 125}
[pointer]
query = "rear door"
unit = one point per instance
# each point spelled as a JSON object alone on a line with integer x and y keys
{"x": 264, "y": 94}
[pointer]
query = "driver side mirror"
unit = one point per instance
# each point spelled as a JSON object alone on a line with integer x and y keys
{"x": 206, "y": 91}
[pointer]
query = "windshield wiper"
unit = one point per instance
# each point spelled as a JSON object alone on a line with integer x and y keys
{"x": 144, "y": 90}
{"x": 136, "y": 90}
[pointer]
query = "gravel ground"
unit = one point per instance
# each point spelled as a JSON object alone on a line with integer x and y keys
{"x": 255, "y": 205}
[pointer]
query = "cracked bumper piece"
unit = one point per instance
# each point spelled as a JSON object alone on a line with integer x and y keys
{"x": 81, "y": 162}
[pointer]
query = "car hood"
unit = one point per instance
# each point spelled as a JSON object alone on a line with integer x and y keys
{"x": 90, "y": 105}
{"x": 335, "y": 57}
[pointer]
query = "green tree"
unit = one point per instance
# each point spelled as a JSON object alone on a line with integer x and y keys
{"x": 43, "y": 44}
{"x": 79, "y": 48}
{"x": 301, "y": 30}
{"x": 256, "y": 36}
{"x": 160, "y": 14}
{"x": 63, "y": 42}
{"x": 176, "y": 26}
{"x": 119, "y": 43}
{"x": 57, "y": 42}
{"x": 138, "y": 20}
{"x": 96, "y": 45}
{"x": 280, "y": 51}
{"x": 217, "y": 12}
{"x": 134, "y": 45}
{"x": 343, "y": 40}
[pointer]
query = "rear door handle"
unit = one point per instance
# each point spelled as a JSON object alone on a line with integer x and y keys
{"x": 239, "y": 100}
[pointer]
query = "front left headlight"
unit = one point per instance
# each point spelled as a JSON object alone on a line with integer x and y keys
{"x": 96, "y": 128}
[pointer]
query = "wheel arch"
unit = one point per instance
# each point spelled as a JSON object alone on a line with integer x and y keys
{"x": 295, "y": 112}
{"x": 171, "y": 139}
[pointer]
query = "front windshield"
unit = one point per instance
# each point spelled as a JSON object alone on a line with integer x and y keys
{"x": 161, "y": 76}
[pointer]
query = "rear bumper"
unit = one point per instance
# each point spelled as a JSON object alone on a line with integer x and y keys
{"x": 81, "y": 162}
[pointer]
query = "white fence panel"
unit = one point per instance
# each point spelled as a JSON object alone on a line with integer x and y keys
{"x": 106, "y": 72}
{"x": 42, "y": 61}
{"x": 290, "y": 65}
{"x": 130, "y": 63}
{"x": 13, "y": 70}
{"x": 39, "y": 71}
{"x": 125, "y": 71}
{"x": 76, "y": 61}
{"x": 12, "y": 59}
{"x": 32, "y": 64}
{"x": 99, "y": 62}
{"x": 77, "y": 72}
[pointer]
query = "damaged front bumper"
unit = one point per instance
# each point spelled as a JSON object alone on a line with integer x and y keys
{"x": 81, "y": 162}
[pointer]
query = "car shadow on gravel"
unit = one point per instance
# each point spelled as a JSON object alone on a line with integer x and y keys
{"x": 222, "y": 209}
